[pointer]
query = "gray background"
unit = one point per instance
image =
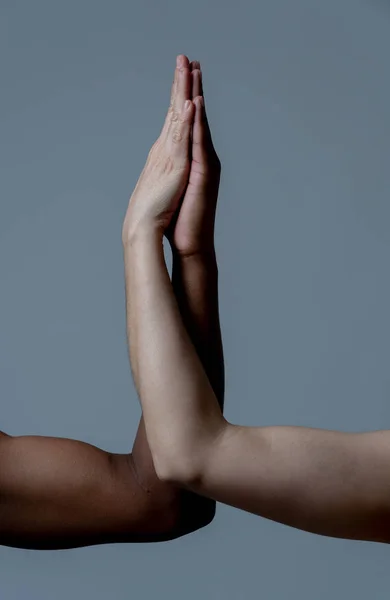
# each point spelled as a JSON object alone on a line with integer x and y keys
{"x": 298, "y": 96}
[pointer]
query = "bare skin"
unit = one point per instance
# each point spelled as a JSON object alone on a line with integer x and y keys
{"x": 326, "y": 482}
{"x": 60, "y": 493}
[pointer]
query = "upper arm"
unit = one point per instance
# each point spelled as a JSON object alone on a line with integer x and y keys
{"x": 60, "y": 493}
{"x": 327, "y": 482}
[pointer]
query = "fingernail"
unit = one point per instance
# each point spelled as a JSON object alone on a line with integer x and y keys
{"x": 178, "y": 61}
{"x": 187, "y": 104}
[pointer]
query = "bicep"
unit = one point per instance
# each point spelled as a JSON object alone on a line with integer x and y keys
{"x": 60, "y": 493}
{"x": 327, "y": 482}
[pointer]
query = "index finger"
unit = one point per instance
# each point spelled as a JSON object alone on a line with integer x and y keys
{"x": 181, "y": 91}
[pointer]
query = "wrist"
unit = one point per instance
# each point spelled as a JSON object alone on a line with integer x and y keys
{"x": 147, "y": 232}
{"x": 205, "y": 254}
{"x": 199, "y": 264}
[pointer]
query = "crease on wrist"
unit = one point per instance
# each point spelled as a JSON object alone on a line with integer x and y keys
{"x": 208, "y": 255}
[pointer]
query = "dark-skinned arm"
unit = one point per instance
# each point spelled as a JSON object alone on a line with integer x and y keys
{"x": 58, "y": 493}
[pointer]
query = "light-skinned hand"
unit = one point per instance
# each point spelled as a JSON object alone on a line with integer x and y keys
{"x": 165, "y": 174}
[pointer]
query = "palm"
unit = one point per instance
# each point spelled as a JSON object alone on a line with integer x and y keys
{"x": 192, "y": 229}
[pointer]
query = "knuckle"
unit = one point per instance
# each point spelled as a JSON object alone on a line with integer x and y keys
{"x": 154, "y": 147}
{"x": 169, "y": 164}
{"x": 174, "y": 117}
{"x": 177, "y": 135}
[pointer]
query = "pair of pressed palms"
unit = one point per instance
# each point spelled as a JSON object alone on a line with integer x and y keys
{"x": 62, "y": 493}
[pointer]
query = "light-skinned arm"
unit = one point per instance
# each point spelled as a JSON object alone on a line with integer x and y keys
{"x": 326, "y": 482}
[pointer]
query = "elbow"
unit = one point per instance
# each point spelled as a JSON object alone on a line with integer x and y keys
{"x": 184, "y": 462}
{"x": 192, "y": 511}
{"x": 198, "y": 512}
{"x": 187, "y": 461}
{"x": 182, "y": 468}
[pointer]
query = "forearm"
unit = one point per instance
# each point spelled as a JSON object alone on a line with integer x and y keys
{"x": 176, "y": 395}
{"x": 195, "y": 285}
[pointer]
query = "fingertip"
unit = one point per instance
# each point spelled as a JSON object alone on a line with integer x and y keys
{"x": 181, "y": 61}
